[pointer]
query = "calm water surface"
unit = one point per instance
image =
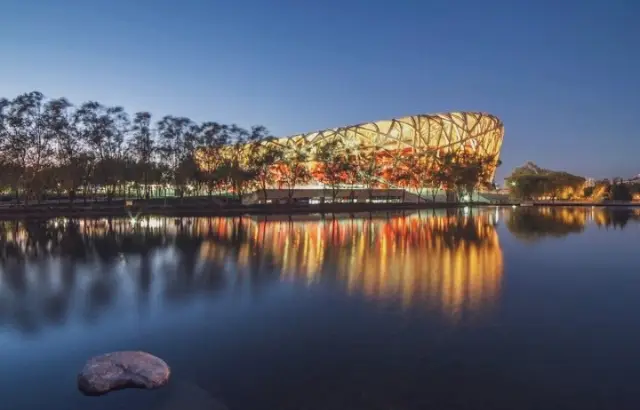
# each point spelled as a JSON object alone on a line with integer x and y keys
{"x": 494, "y": 308}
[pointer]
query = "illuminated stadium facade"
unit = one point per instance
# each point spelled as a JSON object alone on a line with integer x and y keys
{"x": 394, "y": 141}
{"x": 452, "y": 132}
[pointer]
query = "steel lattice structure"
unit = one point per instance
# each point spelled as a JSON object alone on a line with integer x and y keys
{"x": 449, "y": 132}
{"x": 397, "y": 139}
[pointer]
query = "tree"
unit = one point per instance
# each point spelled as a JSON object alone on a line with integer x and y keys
{"x": 7, "y": 172}
{"x": 469, "y": 171}
{"x": 430, "y": 172}
{"x": 26, "y": 143}
{"x": 588, "y": 191}
{"x": 445, "y": 173}
{"x": 237, "y": 159}
{"x": 620, "y": 192}
{"x": 143, "y": 147}
{"x": 212, "y": 141}
{"x": 48, "y": 146}
{"x": 333, "y": 167}
{"x": 531, "y": 181}
{"x": 104, "y": 130}
{"x": 292, "y": 168}
{"x": 405, "y": 173}
{"x": 437, "y": 178}
{"x": 368, "y": 166}
{"x": 352, "y": 175}
{"x": 264, "y": 156}
{"x": 177, "y": 143}
{"x": 186, "y": 174}
{"x": 72, "y": 163}
{"x": 528, "y": 186}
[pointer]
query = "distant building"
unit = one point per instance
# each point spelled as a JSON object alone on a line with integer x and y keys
{"x": 633, "y": 180}
{"x": 318, "y": 196}
{"x": 327, "y": 196}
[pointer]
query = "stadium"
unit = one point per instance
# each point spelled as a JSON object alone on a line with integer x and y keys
{"x": 393, "y": 141}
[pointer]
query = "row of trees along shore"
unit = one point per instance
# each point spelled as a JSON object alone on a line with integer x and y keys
{"x": 533, "y": 182}
{"x": 49, "y": 147}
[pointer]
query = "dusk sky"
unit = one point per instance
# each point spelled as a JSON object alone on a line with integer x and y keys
{"x": 563, "y": 75}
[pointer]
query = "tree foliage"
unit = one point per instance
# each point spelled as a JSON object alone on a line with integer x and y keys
{"x": 619, "y": 192}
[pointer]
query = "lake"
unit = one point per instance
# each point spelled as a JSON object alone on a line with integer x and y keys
{"x": 488, "y": 308}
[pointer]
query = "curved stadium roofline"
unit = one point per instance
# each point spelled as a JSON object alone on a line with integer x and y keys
{"x": 443, "y": 115}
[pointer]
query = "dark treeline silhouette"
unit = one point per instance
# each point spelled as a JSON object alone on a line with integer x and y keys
{"x": 50, "y": 148}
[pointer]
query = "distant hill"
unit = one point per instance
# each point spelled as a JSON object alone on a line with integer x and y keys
{"x": 531, "y": 168}
{"x": 532, "y": 181}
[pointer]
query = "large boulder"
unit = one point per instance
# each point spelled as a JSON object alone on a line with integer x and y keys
{"x": 121, "y": 370}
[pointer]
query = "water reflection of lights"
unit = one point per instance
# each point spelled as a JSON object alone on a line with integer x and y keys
{"x": 450, "y": 263}
{"x": 539, "y": 222}
{"x": 446, "y": 261}
{"x": 59, "y": 222}
{"x": 149, "y": 223}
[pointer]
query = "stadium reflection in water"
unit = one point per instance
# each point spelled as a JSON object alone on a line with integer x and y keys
{"x": 449, "y": 262}
{"x": 444, "y": 261}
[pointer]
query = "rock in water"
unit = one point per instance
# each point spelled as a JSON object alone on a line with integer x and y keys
{"x": 120, "y": 370}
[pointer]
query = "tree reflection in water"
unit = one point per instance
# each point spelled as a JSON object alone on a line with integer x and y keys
{"x": 59, "y": 268}
{"x": 532, "y": 224}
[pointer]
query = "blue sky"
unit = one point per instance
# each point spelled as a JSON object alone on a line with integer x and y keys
{"x": 563, "y": 75}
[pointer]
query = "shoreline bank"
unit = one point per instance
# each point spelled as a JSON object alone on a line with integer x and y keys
{"x": 40, "y": 212}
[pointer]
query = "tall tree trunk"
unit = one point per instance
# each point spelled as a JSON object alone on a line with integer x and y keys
{"x": 145, "y": 180}
{"x": 26, "y": 194}
{"x": 264, "y": 191}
